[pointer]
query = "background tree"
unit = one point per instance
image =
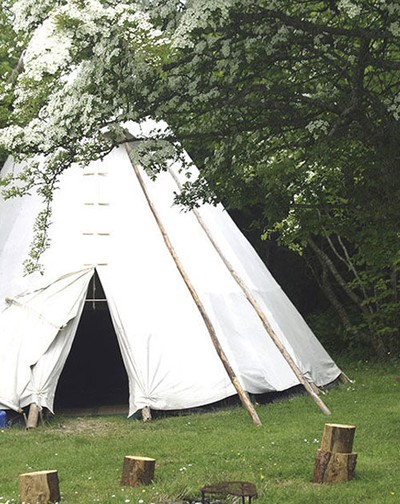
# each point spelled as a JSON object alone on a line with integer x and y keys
{"x": 294, "y": 107}
{"x": 290, "y": 108}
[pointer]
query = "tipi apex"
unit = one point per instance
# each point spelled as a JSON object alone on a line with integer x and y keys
{"x": 197, "y": 315}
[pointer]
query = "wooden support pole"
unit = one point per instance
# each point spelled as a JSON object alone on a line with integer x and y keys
{"x": 335, "y": 461}
{"x": 310, "y": 387}
{"x": 39, "y": 487}
{"x": 243, "y": 395}
{"x": 137, "y": 471}
{"x": 33, "y": 416}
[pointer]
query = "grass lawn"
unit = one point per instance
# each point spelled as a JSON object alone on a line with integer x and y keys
{"x": 194, "y": 450}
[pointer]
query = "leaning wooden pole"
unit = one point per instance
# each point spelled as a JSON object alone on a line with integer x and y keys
{"x": 244, "y": 397}
{"x": 310, "y": 387}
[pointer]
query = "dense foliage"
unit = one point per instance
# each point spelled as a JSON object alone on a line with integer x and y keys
{"x": 291, "y": 108}
{"x": 297, "y": 107}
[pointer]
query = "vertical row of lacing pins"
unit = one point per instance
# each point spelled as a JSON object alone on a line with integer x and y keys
{"x": 98, "y": 203}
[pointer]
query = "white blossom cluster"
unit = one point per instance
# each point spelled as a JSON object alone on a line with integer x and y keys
{"x": 394, "y": 107}
{"x": 75, "y": 47}
{"x": 350, "y": 8}
{"x": 205, "y": 14}
{"x": 54, "y": 44}
{"x": 317, "y": 128}
{"x": 30, "y": 13}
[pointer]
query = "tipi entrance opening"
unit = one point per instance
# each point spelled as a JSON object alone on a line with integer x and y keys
{"x": 94, "y": 374}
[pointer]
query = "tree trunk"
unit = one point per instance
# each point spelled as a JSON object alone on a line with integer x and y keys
{"x": 370, "y": 337}
{"x": 137, "y": 471}
{"x": 329, "y": 293}
{"x": 39, "y": 487}
{"x": 324, "y": 258}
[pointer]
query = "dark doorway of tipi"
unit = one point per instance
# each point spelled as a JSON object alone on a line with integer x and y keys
{"x": 94, "y": 375}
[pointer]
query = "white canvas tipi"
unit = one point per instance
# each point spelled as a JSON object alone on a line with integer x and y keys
{"x": 153, "y": 260}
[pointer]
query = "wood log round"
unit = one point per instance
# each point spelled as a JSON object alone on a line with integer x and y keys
{"x": 39, "y": 487}
{"x": 338, "y": 438}
{"x": 334, "y": 467}
{"x": 137, "y": 471}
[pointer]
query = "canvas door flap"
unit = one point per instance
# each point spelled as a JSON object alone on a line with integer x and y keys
{"x": 58, "y": 302}
{"x": 24, "y": 337}
{"x": 42, "y": 313}
{"x": 29, "y": 325}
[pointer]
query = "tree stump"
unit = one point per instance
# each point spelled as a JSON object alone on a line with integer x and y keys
{"x": 137, "y": 471}
{"x": 39, "y": 487}
{"x": 335, "y": 461}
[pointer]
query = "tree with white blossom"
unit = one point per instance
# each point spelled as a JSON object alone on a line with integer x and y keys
{"x": 292, "y": 108}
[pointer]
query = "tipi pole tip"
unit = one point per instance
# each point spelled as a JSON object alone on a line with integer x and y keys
{"x": 322, "y": 406}
{"x": 344, "y": 378}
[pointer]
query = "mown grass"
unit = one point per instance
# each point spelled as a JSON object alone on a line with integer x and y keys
{"x": 194, "y": 450}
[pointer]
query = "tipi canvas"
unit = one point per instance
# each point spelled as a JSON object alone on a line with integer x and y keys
{"x": 110, "y": 219}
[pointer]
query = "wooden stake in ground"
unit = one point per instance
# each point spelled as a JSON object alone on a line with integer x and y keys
{"x": 33, "y": 416}
{"x": 137, "y": 471}
{"x": 146, "y": 414}
{"x": 39, "y": 487}
{"x": 335, "y": 461}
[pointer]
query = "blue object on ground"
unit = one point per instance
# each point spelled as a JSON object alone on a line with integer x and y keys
{"x": 3, "y": 419}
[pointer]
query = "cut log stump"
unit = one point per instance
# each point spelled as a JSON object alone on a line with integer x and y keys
{"x": 39, "y": 487}
{"x": 338, "y": 438}
{"x": 335, "y": 461}
{"x": 334, "y": 467}
{"x": 137, "y": 471}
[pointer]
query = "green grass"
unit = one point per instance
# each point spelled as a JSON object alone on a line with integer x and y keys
{"x": 194, "y": 450}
